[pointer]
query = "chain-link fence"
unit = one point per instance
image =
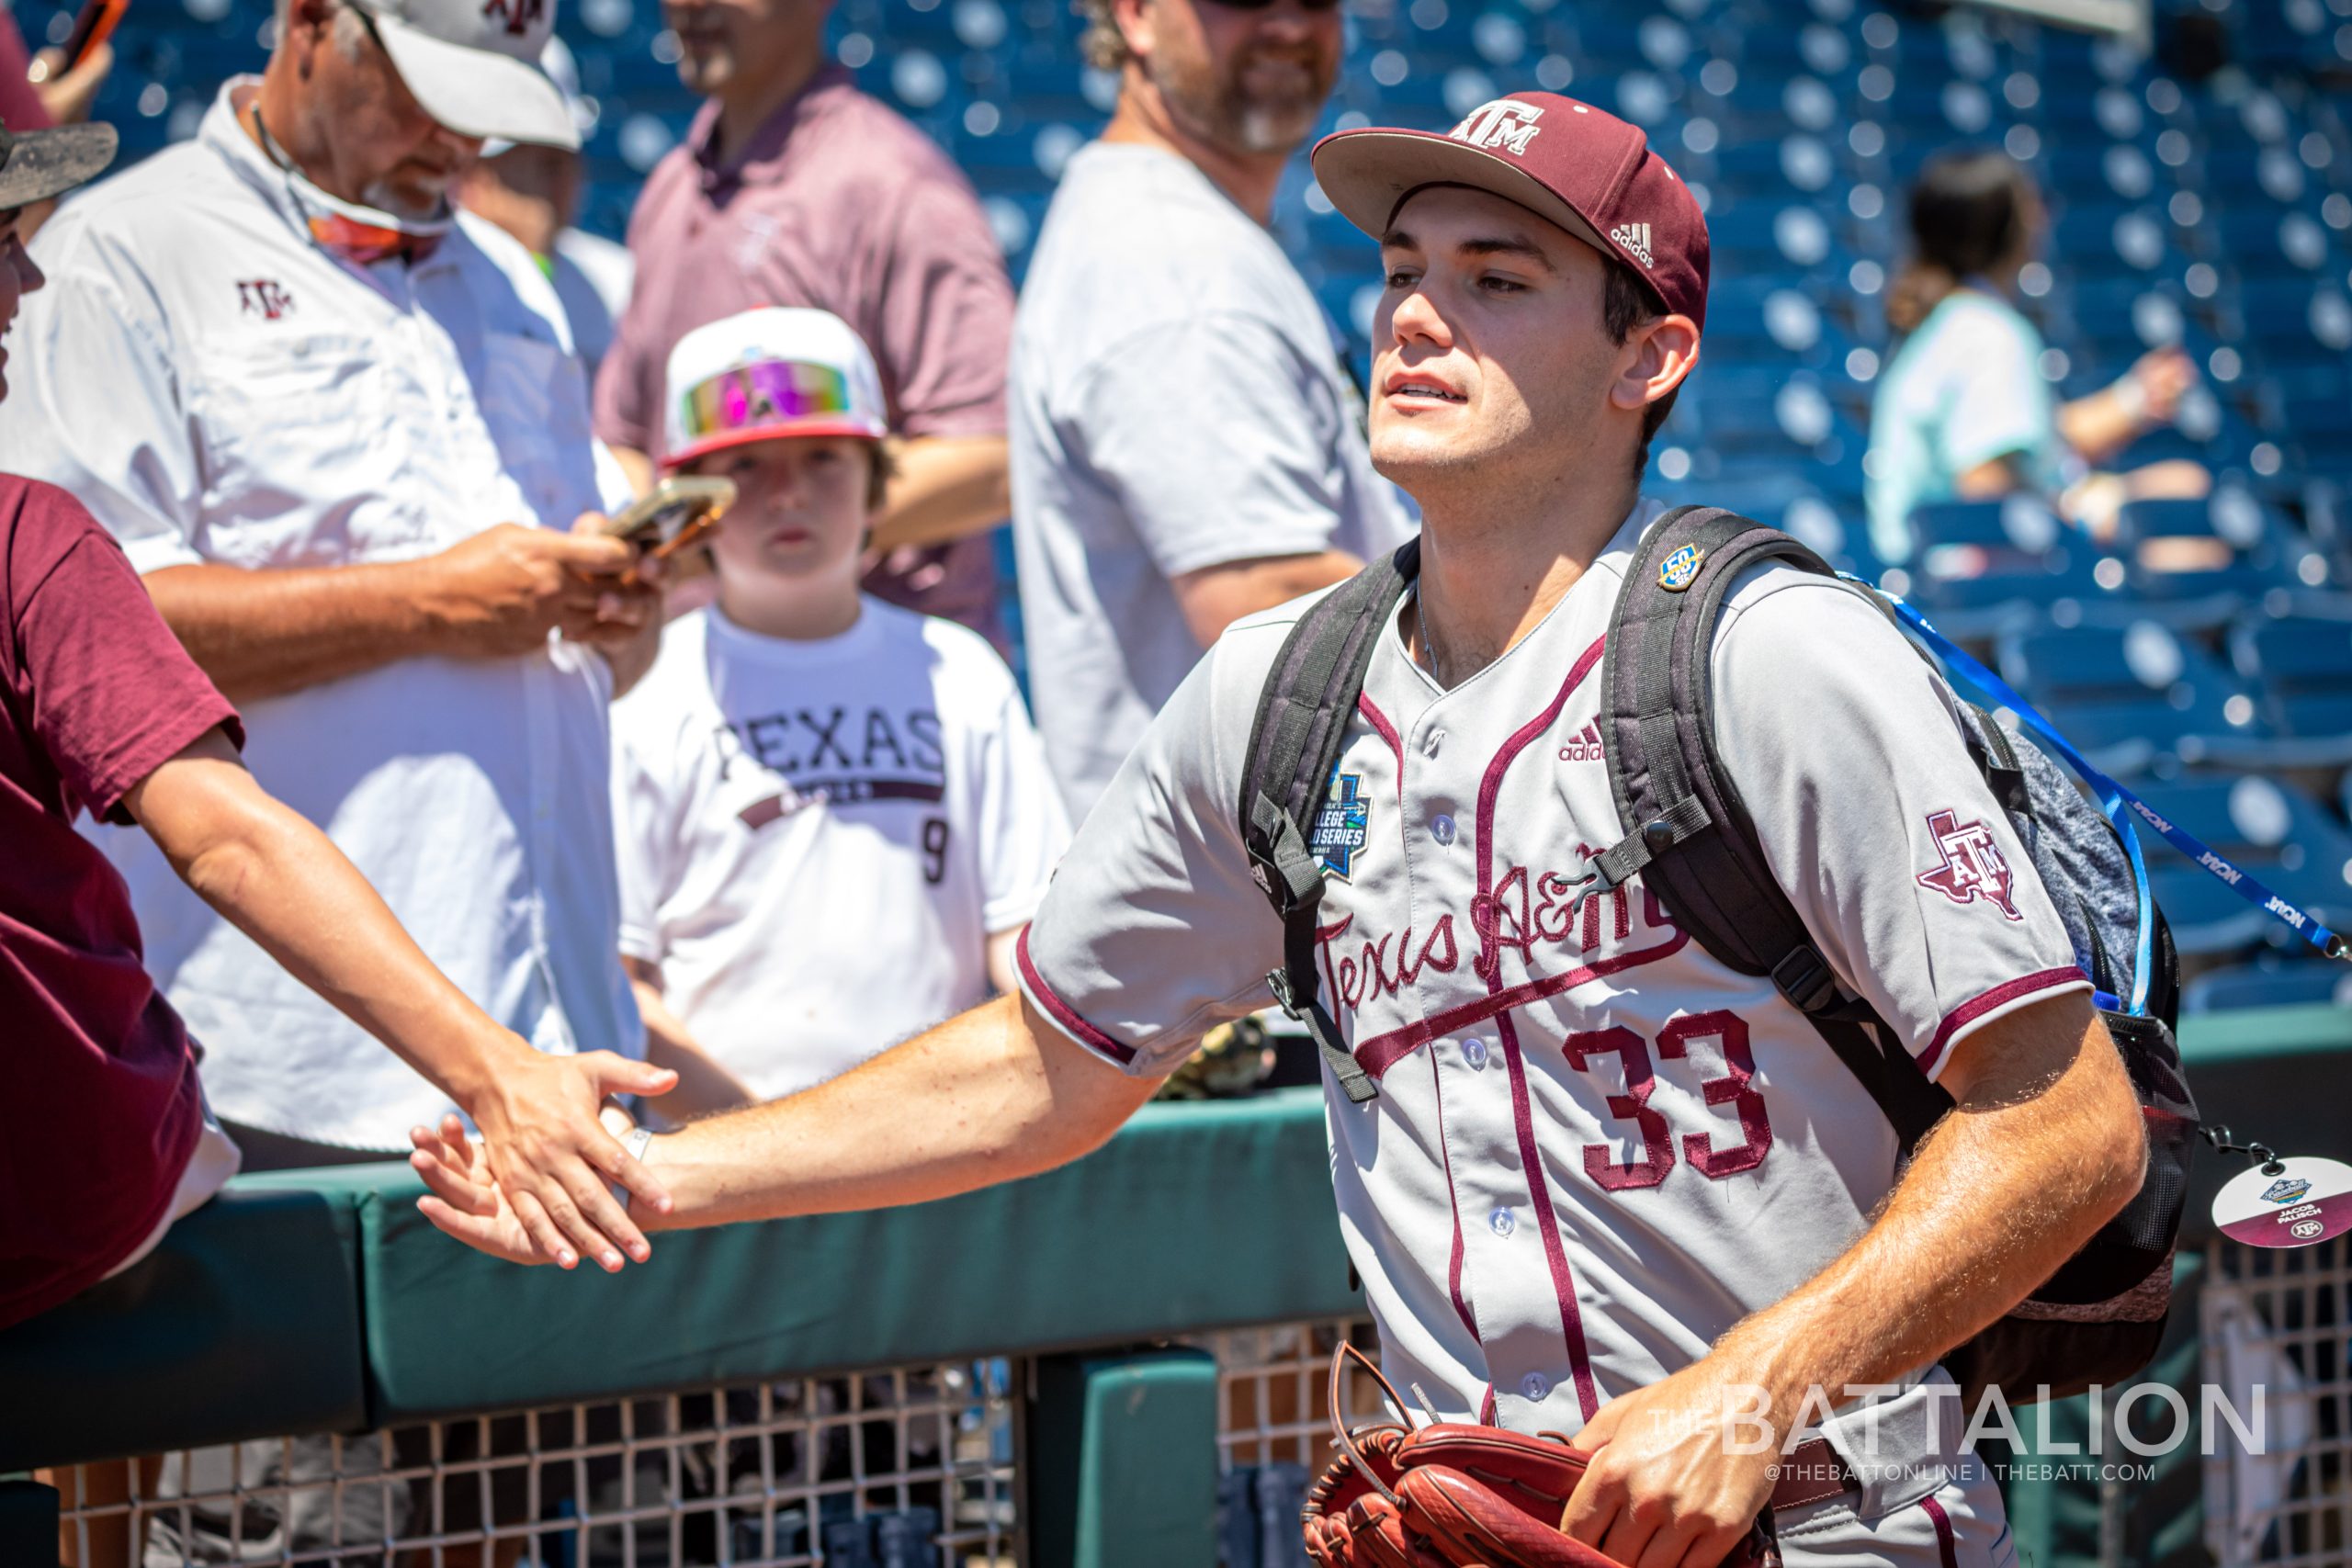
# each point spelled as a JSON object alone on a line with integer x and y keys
{"x": 905, "y": 1467}
{"x": 1275, "y": 1429}
{"x": 2277, "y": 1320}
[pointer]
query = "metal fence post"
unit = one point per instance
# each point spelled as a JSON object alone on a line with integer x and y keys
{"x": 1121, "y": 1469}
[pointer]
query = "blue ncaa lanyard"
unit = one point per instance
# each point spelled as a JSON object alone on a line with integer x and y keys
{"x": 2115, "y": 800}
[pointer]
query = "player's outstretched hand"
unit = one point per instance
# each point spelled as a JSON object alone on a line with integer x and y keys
{"x": 555, "y": 1161}
{"x": 1664, "y": 1488}
{"x": 465, "y": 1199}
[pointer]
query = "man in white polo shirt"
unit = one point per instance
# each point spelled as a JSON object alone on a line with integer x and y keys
{"x": 339, "y": 429}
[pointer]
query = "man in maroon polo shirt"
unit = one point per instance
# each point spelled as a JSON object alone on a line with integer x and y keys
{"x": 101, "y": 710}
{"x": 794, "y": 188}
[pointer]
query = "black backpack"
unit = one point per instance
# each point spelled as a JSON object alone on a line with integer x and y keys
{"x": 2096, "y": 1320}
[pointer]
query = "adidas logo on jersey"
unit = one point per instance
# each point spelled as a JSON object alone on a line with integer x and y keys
{"x": 1636, "y": 238}
{"x": 1584, "y": 747}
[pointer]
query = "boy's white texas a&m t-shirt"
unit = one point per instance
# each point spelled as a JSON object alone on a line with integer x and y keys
{"x": 1595, "y": 1148}
{"x": 818, "y": 838}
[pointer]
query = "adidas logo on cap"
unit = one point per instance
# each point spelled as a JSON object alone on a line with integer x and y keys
{"x": 1636, "y": 238}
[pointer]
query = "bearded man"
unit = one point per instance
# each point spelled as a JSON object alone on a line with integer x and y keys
{"x": 1186, "y": 448}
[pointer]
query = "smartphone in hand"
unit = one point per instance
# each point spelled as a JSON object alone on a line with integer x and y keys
{"x": 93, "y": 25}
{"x": 678, "y": 513}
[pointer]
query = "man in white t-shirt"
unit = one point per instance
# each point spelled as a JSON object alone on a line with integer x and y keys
{"x": 834, "y": 816}
{"x": 1186, "y": 449}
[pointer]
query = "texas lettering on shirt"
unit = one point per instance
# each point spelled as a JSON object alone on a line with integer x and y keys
{"x": 832, "y": 753}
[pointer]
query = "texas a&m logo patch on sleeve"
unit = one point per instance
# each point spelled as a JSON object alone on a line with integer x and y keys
{"x": 1973, "y": 867}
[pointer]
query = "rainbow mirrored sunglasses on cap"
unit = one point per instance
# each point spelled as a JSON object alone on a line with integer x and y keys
{"x": 765, "y": 393}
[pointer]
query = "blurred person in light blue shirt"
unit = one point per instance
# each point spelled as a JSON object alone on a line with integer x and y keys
{"x": 1963, "y": 411}
{"x": 533, "y": 193}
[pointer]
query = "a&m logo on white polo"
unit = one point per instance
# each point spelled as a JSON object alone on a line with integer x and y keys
{"x": 1506, "y": 123}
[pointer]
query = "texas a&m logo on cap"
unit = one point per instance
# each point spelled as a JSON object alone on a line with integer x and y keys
{"x": 1506, "y": 123}
{"x": 1973, "y": 867}
{"x": 520, "y": 16}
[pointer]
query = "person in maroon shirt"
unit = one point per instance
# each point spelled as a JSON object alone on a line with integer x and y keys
{"x": 101, "y": 710}
{"x": 794, "y": 188}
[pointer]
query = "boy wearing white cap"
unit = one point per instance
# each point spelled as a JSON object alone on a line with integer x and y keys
{"x": 834, "y": 816}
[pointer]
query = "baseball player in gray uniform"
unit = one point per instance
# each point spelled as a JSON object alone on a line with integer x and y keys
{"x": 1609, "y": 1187}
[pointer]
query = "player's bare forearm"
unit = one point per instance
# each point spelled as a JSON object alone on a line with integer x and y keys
{"x": 993, "y": 1095}
{"x": 285, "y": 885}
{"x": 263, "y": 634}
{"x": 947, "y": 487}
{"x": 2045, "y": 1145}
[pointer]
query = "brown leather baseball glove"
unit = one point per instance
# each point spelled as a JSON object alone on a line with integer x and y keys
{"x": 1450, "y": 1496}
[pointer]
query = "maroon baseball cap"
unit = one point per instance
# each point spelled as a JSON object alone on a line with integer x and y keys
{"x": 1580, "y": 167}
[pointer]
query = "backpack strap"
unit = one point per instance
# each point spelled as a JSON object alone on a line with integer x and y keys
{"x": 1689, "y": 835}
{"x": 1295, "y": 743}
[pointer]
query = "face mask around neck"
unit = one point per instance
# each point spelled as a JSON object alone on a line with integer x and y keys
{"x": 352, "y": 230}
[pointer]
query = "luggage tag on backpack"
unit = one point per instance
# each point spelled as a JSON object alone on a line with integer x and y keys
{"x": 2282, "y": 1202}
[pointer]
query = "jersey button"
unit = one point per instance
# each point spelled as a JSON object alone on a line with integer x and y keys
{"x": 1535, "y": 1386}
{"x": 1430, "y": 746}
{"x": 1441, "y": 829}
{"x": 1501, "y": 1221}
{"x": 1474, "y": 1051}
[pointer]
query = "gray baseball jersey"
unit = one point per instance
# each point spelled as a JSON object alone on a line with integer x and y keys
{"x": 1596, "y": 1148}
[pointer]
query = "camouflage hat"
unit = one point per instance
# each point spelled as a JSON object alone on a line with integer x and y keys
{"x": 37, "y": 165}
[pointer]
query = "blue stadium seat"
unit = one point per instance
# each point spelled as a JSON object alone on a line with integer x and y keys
{"x": 2269, "y": 981}
{"x": 2267, "y": 551}
{"x": 2303, "y": 666}
{"x": 2131, "y": 696}
{"x": 1981, "y": 564}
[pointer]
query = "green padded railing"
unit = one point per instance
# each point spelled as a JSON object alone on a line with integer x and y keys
{"x": 321, "y": 1301}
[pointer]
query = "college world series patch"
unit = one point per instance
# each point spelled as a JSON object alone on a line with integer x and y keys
{"x": 1680, "y": 570}
{"x": 1344, "y": 825}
